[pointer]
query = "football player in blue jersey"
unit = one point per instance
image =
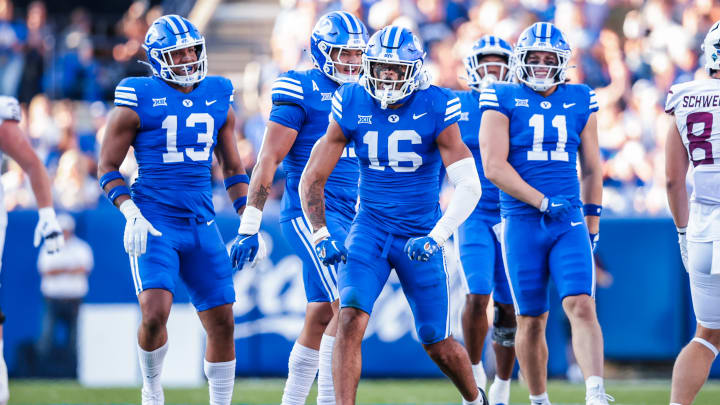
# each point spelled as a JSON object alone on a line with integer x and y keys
{"x": 403, "y": 129}
{"x": 299, "y": 117}
{"x": 531, "y": 136}
{"x": 477, "y": 244}
{"x": 175, "y": 120}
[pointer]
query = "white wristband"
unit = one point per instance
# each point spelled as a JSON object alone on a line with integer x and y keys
{"x": 543, "y": 204}
{"x": 682, "y": 230}
{"x": 129, "y": 209}
{"x": 250, "y": 221}
{"x": 320, "y": 234}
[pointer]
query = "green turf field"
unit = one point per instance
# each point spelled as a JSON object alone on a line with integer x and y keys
{"x": 269, "y": 391}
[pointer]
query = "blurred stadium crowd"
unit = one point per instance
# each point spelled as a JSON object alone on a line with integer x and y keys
{"x": 629, "y": 51}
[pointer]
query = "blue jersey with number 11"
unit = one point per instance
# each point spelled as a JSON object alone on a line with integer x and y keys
{"x": 175, "y": 143}
{"x": 544, "y": 137}
{"x": 398, "y": 155}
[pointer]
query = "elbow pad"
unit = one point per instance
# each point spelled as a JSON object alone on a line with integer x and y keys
{"x": 464, "y": 176}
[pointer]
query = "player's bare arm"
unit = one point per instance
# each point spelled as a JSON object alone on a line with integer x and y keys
{"x": 228, "y": 157}
{"x": 120, "y": 133}
{"x": 325, "y": 155}
{"x": 451, "y": 146}
{"x": 590, "y": 170}
{"x": 494, "y": 148}
{"x": 676, "y": 166}
{"x": 15, "y": 144}
{"x": 276, "y": 144}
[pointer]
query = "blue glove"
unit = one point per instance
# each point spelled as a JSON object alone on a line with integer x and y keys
{"x": 331, "y": 251}
{"x": 244, "y": 248}
{"x": 555, "y": 207}
{"x": 421, "y": 248}
{"x": 594, "y": 239}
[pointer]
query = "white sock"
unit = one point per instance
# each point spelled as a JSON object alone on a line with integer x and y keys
{"x": 302, "y": 367}
{"x": 500, "y": 383}
{"x": 221, "y": 378}
{"x": 594, "y": 383}
{"x": 479, "y": 374}
{"x": 4, "y": 389}
{"x": 326, "y": 390}
{"x": 151, "y": 364}
{"x": 541, "y": 399}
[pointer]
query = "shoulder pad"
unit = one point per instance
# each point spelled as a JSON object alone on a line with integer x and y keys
{"x": 9, "y": 109}
{"x": 288, "y": 89}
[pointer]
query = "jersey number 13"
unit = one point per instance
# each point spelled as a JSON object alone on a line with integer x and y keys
{"x": 169, "y": 124}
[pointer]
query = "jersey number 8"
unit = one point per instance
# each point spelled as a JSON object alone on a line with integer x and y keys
{"x": 170, "y": 125}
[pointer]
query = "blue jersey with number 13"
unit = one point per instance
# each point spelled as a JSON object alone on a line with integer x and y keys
{"x": 174, "y": 143}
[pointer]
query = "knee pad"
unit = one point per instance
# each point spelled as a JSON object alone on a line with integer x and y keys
{"x": 502, "y": 335}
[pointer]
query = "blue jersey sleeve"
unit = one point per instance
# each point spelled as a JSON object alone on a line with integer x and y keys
{"x": 585, "y": 95}
{"x": 288, "y": 89}
{"x": 228, "y": 89}
{"x": 489, "y": 100}
{"x": 126, "y": 93}
{"x": 288, "y": 115}
{"x": 448, "y": 109}
{"x": 342, "y": 93}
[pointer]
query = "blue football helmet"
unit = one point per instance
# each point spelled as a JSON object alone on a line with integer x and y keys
{"x": 169, "y": 33}
{"x": 478, "y": 76}
{"x": 393, "y": 50}
{"x": 547, "y": 38}
{"x": 341, "y": 31}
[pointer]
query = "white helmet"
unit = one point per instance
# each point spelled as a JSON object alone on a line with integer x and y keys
{"x": 711, "y": 48}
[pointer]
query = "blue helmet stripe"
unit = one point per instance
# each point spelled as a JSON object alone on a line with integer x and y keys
{"x": 547, "y": 30}
{"x": 492, "y": 41}
{"x": 358, "y": 25}
{"x": 349, "y": 26}
{"x": 389, "y": 37}
{"x": 183, "y": 26}
{"x": 398, "y": 35}
{"x": 171, "y": 23}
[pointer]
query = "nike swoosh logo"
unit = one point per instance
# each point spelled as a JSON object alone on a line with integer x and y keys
{"x": 575, "y": 223}
{"x": 418, "y": 116}
{"x": 555, "y": 205}
{"x": 568, "y": 105}
{"x": 210, "y": 222}
{"x": 210, "y": 102}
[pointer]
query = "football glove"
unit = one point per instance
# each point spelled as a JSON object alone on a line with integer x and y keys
{"x": 331, "y": 251}
{"x": 682, "y": 241}
{"x": 136, "y": 229}
{"x": 594, "y": 239}
{"x": 555, "y": 207}
{"x": 48, "y": 229}
{"x": 247, "y": 248}
{"x": 421, "y": 248}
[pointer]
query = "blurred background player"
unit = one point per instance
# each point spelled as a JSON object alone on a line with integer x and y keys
{"x": 694, "y": 139}
{"x": 477, "y": 243}
{"x": 175, "y": 120}
{"x": 14, "y": 143}
{"x": 403, "y": 130}
{"x": 64, "y": 284}
{"x": 530, "y": 138}
{"x": 299, "y": 117}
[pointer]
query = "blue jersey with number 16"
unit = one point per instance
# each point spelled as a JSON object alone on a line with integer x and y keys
{"x": 398, "y": 155}
{"x": 544, "y": 137}
{"x": 174, "y": 143}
